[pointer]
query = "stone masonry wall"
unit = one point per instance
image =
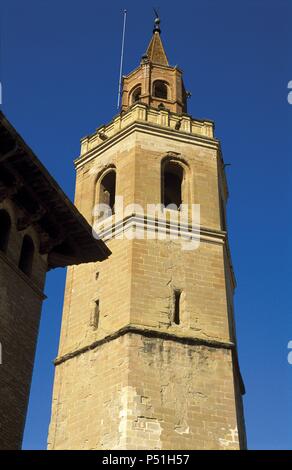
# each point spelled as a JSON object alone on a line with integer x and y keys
{"x": 137, "y": 392}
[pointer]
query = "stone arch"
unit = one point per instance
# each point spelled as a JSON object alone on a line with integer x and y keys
{"x": 135, "y": 94}
{"x": 175, "y": 180}
{"x": 161, "y": 89}
{"x": 105, "y": 189}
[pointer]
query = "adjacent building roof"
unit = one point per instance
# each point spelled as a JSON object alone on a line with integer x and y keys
{"x": 64, "y": 233}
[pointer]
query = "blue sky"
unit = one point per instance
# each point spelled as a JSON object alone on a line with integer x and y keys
{"x": 59, "y": 73}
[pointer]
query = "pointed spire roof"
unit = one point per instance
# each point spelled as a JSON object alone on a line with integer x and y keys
{"x": 155, "y": 52}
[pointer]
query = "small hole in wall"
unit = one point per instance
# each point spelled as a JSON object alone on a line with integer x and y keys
{"x": 176, "y": 312}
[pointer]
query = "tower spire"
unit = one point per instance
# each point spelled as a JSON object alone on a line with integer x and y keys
{"x": 155, "y": 83}
{"x": 155, "y": 52}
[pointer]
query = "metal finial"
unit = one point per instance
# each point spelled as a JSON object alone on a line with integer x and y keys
{"x": 156, "y": 22}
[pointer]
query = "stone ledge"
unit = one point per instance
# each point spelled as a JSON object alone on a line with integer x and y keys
{"x": 162, "y": 120}
{"x": 110, "y": 228}
{"x": 154, "y": 333}
{"x": 150, "y": 333}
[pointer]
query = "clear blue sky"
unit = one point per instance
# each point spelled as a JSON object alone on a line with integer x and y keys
{"x": 59, "y": 71}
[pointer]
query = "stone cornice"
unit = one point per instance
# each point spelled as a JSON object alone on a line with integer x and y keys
{"x": 150, "y": 129}
{"x": 148, "y": 332}
{"x": 152, "y": 122}
{"x": 113, "y": 228}
{"x": 159, "y": 334}
{"x": 152, "y": 65}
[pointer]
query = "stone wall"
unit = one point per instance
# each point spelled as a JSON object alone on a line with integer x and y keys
{"x": 140, "y": 392}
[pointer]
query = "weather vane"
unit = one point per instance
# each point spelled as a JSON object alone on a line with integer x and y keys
{"x": 156, "y": 22}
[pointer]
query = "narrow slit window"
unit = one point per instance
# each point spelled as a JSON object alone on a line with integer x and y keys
{"x": 95, "y": 314}
{"x": 223, "y": 217}
{"x": 177, "y": 307}
{"x": 5, "y": 225}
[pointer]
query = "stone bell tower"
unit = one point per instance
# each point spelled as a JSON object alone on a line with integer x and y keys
{"x": 147, "y": 356}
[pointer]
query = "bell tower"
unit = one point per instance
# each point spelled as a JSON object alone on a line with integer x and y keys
{"x": 155, "y": 82}
{"x": 147, "y": 356}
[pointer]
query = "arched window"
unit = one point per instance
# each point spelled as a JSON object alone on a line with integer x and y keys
{"x": 136, "y": 94}
{"x": 5, "y": 225}
{"x": 26, "y": 255}
{"x": 160, "y": 89}
{"x": 107, "y": 193}
{"x": 172, "y": 179}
